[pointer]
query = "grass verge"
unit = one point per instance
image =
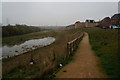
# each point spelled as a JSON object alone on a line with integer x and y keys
{"x": 105, "y": 44}
{"x": 52, "y": 74}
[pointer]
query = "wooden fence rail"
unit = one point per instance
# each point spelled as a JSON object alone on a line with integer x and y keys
{"x": 72, "y": 45}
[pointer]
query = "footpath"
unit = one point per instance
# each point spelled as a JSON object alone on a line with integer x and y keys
{"x": 84, "y": 65}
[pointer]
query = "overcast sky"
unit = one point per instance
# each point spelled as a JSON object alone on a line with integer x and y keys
{"x": 55, "y": 13}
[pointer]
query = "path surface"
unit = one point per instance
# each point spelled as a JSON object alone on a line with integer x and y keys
{"x": 84, "y": 65}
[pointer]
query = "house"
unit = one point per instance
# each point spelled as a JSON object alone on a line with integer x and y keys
{"x": 105, "y": 23}
{"x": 115, "y": 20}
{"x": 82, "y": 24}
{"x": 72, "y": 26}
{"x": 90, "y": 23}
{"x": 97, "y": 24}
{"x": 77, "y": 24}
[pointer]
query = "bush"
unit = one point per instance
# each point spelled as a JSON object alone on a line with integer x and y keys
{"x": 18, "y": 30}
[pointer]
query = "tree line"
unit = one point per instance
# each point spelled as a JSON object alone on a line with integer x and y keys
{"x": 17, "y": 29}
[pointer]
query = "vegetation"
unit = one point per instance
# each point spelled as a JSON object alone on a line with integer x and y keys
{"x": 105, "y": 43}
{"x": 22, "y": 71}
{"x": 10, "y": 30}
{"x": 51, "y": 75}
{"x": 46, "y": 58}
{"x": 18, "y": 39}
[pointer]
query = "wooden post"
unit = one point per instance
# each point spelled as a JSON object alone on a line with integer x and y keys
{"x": 73, "y": 45}
{"x": 70, "y": 48}
{"x": 54, "y": 58}
{"x": 67, "y": 49}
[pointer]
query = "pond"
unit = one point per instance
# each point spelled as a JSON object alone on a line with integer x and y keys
{"x": 8, "y": 51}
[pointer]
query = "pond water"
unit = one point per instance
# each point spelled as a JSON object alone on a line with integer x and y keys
{"x": 8, "y": 51}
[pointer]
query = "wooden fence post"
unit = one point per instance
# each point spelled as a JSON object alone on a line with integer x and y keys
{"x": 71, "y": 45}
{"x": 67, "y": 50}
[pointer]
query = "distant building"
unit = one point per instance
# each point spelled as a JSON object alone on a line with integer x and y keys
{"x": 82, "y": 24}
{"x": 72, "y": 26}
{"x": 115, "y": 20}
{"x": 77, "y": 24}
{"x": 112, "y": 22}
{"x": 90, "y": 23}
{"x": 105, "y": 23}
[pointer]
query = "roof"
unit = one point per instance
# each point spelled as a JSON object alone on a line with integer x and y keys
{"x": 77, "y": 22}
{"x": 70, "y": 25}
{"x": 115, "y": 16}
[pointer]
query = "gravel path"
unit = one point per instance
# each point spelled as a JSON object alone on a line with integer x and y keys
{"x": 84, "y": 65}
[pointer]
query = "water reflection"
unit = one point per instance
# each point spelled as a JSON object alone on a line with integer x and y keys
{"x": 29, "y": 45}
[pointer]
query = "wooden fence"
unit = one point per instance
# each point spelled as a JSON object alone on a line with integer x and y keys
{"x": 72, "y": 45}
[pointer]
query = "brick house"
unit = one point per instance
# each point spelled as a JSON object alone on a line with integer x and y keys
{"x": 105, "y": 23}
{"x": 115, "y": 19}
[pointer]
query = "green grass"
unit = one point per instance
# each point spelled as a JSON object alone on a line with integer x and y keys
{"x": 105, "y": 43}
{"x": 22, "y": 38}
